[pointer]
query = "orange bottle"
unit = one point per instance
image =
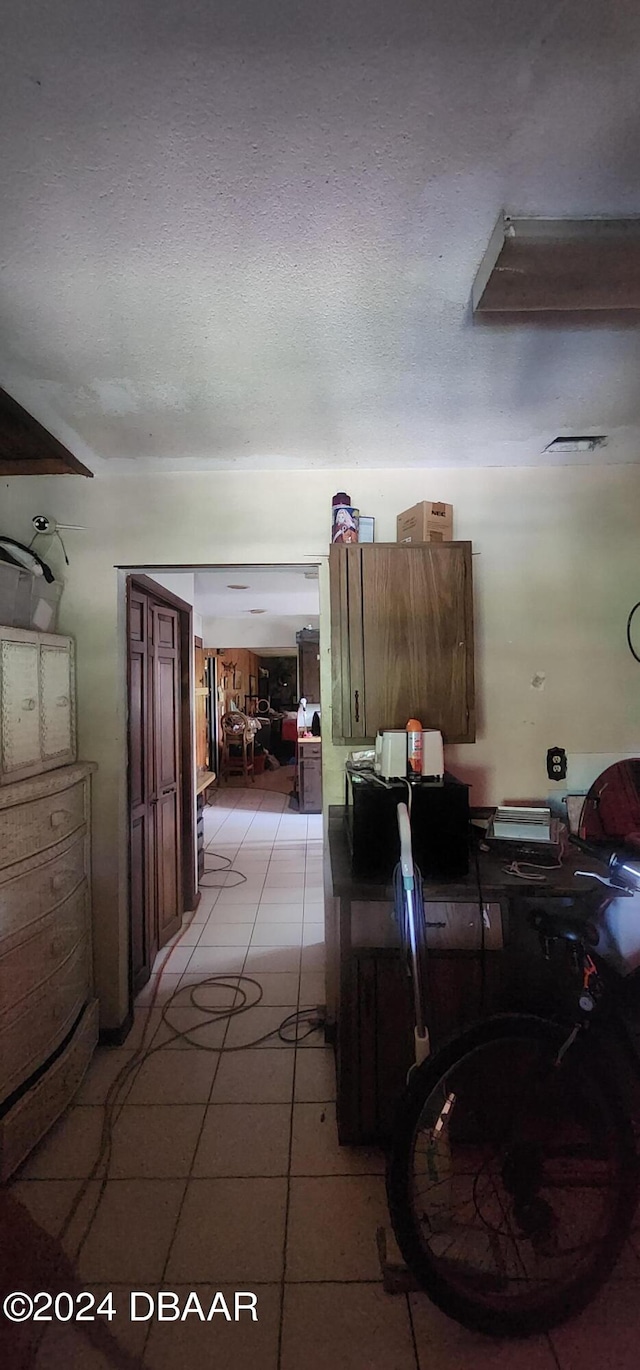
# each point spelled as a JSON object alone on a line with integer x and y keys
{"x": 414, "y": 748}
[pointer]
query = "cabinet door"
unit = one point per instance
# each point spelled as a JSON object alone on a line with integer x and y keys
{"x": 57, "y": 702}
{"x": 309, "y": 658}
{"x": 347, "y": 646}
{"x": 20, "y": 688}
{"x": 404, "y": 638}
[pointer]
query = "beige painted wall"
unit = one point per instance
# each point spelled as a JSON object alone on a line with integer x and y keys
{"x": 556, "y": 572}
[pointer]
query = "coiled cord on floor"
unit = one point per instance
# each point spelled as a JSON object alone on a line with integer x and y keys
{"x": 307, "y": 1017}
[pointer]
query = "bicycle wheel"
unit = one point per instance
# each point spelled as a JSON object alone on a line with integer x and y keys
{"x": 512, "y": 1176}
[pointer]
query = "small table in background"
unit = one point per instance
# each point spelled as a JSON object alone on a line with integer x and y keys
{"x": 309, "y": 774}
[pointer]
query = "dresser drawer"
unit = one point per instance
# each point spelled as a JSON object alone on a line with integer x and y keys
{"x": 53, "y": 940}
{"x": 25, "y": 898}
{"x": 457, "y": 927}
{"x": 29, "y": 828}
{"x": 311, "y": 751}
{"x": 42, "y": 1020}
{"x": 34, "y": 1112}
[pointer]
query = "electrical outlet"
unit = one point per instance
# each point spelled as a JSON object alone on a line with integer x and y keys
{"x": 556, "y": 763}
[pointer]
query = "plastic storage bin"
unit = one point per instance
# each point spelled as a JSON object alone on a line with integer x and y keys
{"x": 28, "y": 601}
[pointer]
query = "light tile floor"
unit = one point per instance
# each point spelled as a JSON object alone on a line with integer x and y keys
{"x": 225, "y": 1171}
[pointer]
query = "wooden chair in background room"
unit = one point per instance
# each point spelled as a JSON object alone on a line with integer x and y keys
{"x": 237, "y": 747}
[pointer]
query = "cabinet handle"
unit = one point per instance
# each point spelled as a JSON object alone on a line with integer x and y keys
{"x": 356, "y": 700}
{"x": 28, "y": 704}
{"x": 59, "y": 817}
{"x": 62, "y": 701}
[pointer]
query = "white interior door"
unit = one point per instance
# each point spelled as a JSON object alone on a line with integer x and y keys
{"x": 56, "y": 685}
{"x": 20, "y": 712}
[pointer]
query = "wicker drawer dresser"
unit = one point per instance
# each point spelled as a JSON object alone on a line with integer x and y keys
{"x": 48, "y": 1015}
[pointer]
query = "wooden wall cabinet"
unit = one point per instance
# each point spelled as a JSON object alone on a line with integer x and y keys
{"x": 402, "y": 639}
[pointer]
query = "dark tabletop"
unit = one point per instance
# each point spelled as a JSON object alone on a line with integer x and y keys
{"x": 495, "y": 883}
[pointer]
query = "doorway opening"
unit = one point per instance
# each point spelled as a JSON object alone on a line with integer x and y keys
{"x": 223, "y": 683}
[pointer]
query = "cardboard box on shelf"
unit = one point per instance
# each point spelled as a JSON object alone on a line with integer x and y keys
{"x": 426, "y": 522}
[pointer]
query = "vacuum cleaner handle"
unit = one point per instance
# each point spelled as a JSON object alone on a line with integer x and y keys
{"x": 421, "y": 1036}
{"x": 406, "y": 854}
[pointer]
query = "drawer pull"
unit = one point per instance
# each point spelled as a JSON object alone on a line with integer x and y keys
{"x": 62, "y": 701}
{"x": 59, "y": 881}
{"x": 28, "y": 705}
{"x": 58, "y": 817}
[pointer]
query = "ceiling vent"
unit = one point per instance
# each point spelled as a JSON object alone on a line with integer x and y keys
{"x": 581, "y": 442}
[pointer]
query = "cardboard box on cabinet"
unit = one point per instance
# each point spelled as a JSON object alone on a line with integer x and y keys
{"x": 426, "y": 522}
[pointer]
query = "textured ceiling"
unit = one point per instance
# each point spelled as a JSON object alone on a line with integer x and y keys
{"x": 244, "y": 234}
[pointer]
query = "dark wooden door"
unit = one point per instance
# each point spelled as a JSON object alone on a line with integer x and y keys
{"x": 144, "y": 934}
{"x": 201, "y": 698}
{"x": 309, "y": 660}
{"x": 154, "y": 779}
{"x": 402, "y": 638}
{"x": 166, "y": 768}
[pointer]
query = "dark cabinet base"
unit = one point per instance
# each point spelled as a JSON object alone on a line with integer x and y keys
{"x": 309, "y": 775}
{"x": 375, "y": 1046}
{"x": 375, "y": 1036}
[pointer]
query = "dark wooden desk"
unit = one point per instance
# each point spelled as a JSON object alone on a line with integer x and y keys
{"x": 467, "y": 973}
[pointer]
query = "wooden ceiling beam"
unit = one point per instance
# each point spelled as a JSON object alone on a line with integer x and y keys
{"x": 558, "y": 266}
{"x": 28, "y": 449}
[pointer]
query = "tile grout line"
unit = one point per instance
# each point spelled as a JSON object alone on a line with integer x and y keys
{"x": 548, "y": 1336}
{"x": 289, "y": 1162}
{"x": 412, "y": 1331}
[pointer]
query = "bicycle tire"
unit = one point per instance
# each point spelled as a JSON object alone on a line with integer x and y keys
{"x": 583, "y": 1077}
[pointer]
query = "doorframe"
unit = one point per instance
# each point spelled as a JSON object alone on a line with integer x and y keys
{"x": 189, "y": 890}
{"x": 128, "y": 572}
